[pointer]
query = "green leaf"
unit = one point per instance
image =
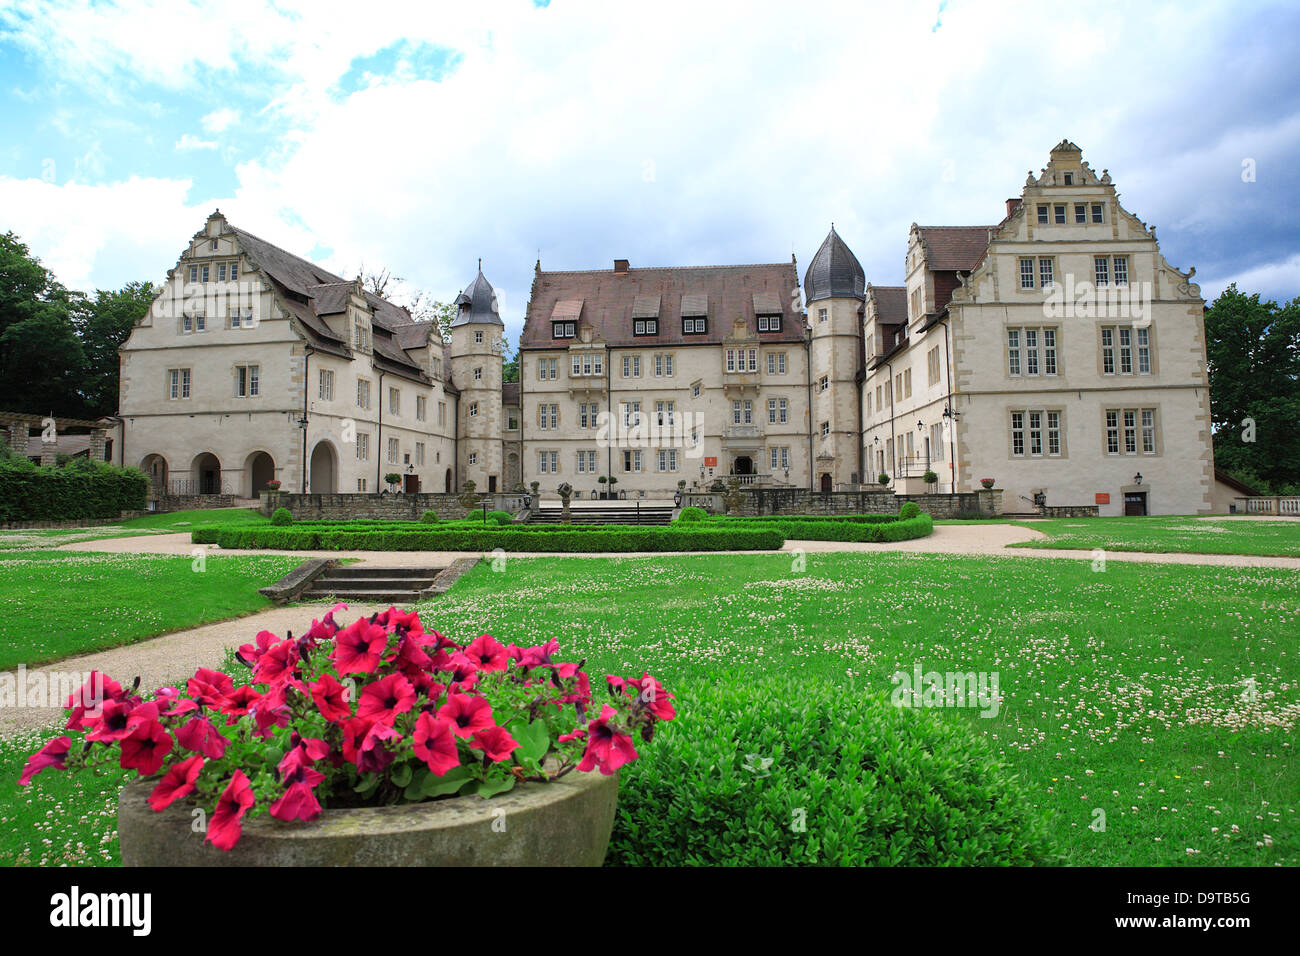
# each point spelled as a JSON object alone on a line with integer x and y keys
{"x": 402, "y": 774}
{"x": 450, "y": 782}
{"x": 367, "y": 785}
{"x": 534, "y": 739}
{"x": 415, "y": 789}
{"x": 490, "y": 788}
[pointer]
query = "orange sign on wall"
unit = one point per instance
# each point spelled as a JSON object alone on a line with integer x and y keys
{"x": 1103, "y": 498}
{"x": 710, "y": 463}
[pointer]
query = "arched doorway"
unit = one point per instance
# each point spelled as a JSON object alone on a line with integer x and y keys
{"x": 323, "y": 476}
{"x": 155, "y": 466}
{"x": 205, "y": 475}
{"x": 743, "y": 465}
{"x": 447, "y": 489}
{"x": 826, "y": 482}
{"x": 259, "y": 469}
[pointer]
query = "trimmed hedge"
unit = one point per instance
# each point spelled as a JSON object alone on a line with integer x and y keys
{"x": 691, "y": 514}
{"x": 441, "y": 538}
{"x": 853, "y": 519}
{"x": 853, "y": 781}
{"x": 910, "y": 509}
{"x": 84, "y": 489}
{"x": 797, "y": 529}
{"x": 282, "y": 517}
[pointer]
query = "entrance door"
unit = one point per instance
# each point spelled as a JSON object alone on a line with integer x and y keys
{"x": 826, "y": 482}
{"x": 411, "y": 484}
{"x": 492, "y": 483}
{"x": 744, "y": 465}
{"x": 1135, "y": 503}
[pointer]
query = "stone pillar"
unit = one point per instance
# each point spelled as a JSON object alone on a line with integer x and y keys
{"x": 97, "y": 439}
{"x": 18, "y": 435}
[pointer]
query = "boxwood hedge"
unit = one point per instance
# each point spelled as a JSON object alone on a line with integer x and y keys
{"x": 798, "y": 529}
{"x": 441, "y": 538}
{"x": 781, "y": 770}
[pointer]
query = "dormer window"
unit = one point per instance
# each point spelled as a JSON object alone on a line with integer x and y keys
{"x": 694, "y": 325}
{"x": 1069, "y": 179}
{"x": 645, "y": 327}
{"x": 563, "y": 330}
{"x": 769, "y": 323}
{"x": 360, "y": 335}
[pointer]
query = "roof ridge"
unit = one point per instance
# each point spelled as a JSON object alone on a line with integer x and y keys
{"x": 956, "y": 227}
{"x": 583, "y": 272}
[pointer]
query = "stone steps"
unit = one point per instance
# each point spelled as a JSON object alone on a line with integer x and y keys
{"x": 649, "y": 516}
{"x": 371, "y": 584}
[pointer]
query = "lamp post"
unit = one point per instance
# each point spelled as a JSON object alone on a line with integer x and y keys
{"x": 1137, "y": 479}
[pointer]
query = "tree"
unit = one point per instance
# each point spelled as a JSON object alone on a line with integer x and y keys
{"x": 1253, "y": 352}
{"x": 102, "y": 325}
{"x": 40, "y": 356}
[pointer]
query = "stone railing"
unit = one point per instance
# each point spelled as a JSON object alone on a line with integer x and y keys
{"x": 1287, "y": 506}
{"x": 795, "y": 501}
{"x": 390, "y": 507}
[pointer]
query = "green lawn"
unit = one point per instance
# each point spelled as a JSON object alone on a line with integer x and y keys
{"x": 1170, "y": 535}
{"x": 37, "y": 539}
{"x": 61, "y": 603}
{"x": 1123, "y": 689}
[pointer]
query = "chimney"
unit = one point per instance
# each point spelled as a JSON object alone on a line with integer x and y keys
{"x": 1012, "y": 206}
{"x": 620, "y": 267}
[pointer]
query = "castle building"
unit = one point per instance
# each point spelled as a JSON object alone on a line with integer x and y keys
{"x": 1055, "y": 353}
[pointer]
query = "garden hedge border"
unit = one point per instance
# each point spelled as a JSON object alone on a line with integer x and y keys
{"x": 90, "y": 490}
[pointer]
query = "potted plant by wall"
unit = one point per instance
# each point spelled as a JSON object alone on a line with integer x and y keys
{"x": 987, "y": 483}
{"x": 930, "y": 478}
{"x": 376, "y": 744}
{"x": 603, "y": 480}
{"x": 882, "y": 479}
{"x": 392, "y": 479}
{"x": 612, "y": 482}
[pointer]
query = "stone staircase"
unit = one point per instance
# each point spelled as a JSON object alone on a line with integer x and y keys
{"x": 613, "y": 514}
{"x": 372, "y": 585}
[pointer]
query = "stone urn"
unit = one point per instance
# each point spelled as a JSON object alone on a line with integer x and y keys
{"x": 565, "y": 822}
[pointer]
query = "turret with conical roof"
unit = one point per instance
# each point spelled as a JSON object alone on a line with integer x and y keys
{"x": 477, "y": 344}
{"x": 834, "y": 272}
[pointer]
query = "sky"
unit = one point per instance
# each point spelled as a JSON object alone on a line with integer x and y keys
{"x": 419, "y": 137}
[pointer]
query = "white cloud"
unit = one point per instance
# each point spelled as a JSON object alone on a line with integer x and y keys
{"x": 218, "y": 121}
{"x": 189, "y": 142}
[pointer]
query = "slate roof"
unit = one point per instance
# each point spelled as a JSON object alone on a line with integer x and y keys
{"x": 955, "y": 248}
{"x": 481, "y": 302}
{"x": 834, "y": 271}
{"x": 510, "y": 393}
{"x": 891, "y": 303}
{"x": 605, "y": 301}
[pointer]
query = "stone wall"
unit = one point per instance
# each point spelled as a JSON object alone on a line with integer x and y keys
{"x": 192, "y": 502}
{"x": 801, "y": 501}
{"x": 70, "y": 522}
{"x": 1071, "y": 511}
{"x": 382, "y": 507}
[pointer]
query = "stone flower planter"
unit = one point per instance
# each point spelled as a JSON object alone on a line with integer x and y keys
{"x": 563, "y": 823}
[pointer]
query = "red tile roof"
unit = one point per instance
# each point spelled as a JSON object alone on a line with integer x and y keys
{"x": 608, "y": 300}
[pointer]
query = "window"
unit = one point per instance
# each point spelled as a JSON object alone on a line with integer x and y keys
{"x": 512, "y": 422}
{"x": 776, "y": 363}
{"x": 1046, "y": 270}
{"x": 392, "y": 451}
{"x": 665, "y": 413}
{"x": 1102, "y": 270}
{"x": 234, "y": 271}
{"x": 1031, "y": 351}
{"x": 667, "y": 459}
{"x": 586, "y": 462}
{"x": 221, "y": 272}
{"x": 1121, "y": 270}
{"x": 1096, "y": 212}
{"x": 360, "y": 335}
{"x": 1108, "y": 351}
{"x": 779, "y": 455}
{"x": 694, "y": 325}
{"x": 326, "y": 383}
{"x": 1036, "y": 433}
{"x": 442, "y": 413}
{"x": 778, "y": 411}
{"x": 931, "y": 367}
{"x": 562, "y": 330}
{"x": 1080, "y": 213}
{"x": 826, "y": 429}
{"x": 631, "y": 414}
{"x": 824, "y": 383}
{"x": 246, "y": 381}
{"x": 731, "y": 360}
{"x": 548, "y": 368}
{"x": 1058, "y": 214}
{"x": 363, "y": 446}
{"x": 868, "y": 404}
{"x": 695, "y": 390}
{"x": 363, "y": 393}
{"x": 1144, "y": 351}
{"x": 742, "y": 411}
{"x": 194, "y": 273}
{"x": 631, "y": 366}
{"x": 663, "y": 366}
{"x": 187, "y": 323}
{"x": 361, "y": 484}
{"x": 1018, "y": 434}
{"x": 1026, "y": 273}
{"x": 548, "y": 416}
{"x": 478, "y": 337}
{"x": 1053, "y": 433}
{"x": 478, "y": 374}
{"x": 394, "y": 401}
{"x": 178, "y": 383}
{"x": 1042, "y": 214}
{"x": 238, "y": 319}
{"x": 821, "y": 315}
{"x": 421, "y": 408}
{"x": 907, "y": 383}
{"x": 1124, "y": 432}
{"x": 631, "y": 460}
{"x": 435, "y": 369}
{"x": 419, "y": 453}
{"x": 473, "y": 409}
{"x": 769, "y": 323}
{"x": 645, "y": 327}
{"x": 204, "y": 273}
{"x": 1033, "y": 431}
{"x": 1125, "y": 350}
{"x": 1069, "y": 179}
{"x": 473, "y": 458}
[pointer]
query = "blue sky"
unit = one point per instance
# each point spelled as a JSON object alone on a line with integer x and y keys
{"x": 421, "y": 137}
